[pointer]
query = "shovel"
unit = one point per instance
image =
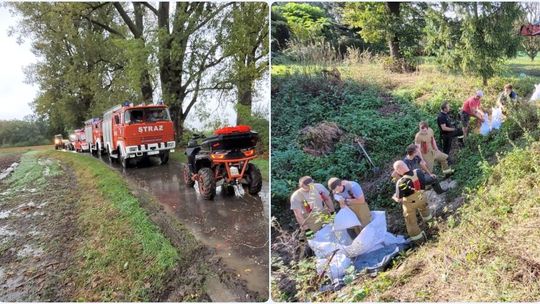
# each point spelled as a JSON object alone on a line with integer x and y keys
{"x": 374, "y": 168}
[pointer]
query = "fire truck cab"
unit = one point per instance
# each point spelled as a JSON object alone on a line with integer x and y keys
{"x": 78, "y": 141}
{"x": 94, "y": 135}
{"x": 133, "y": 132}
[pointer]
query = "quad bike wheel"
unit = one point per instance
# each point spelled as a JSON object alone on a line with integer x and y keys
{"x": 187, "y": 176}
{"x": 207, "y": 183}
{"x": 254, "y": 179}
{"x": 164, "y": 157}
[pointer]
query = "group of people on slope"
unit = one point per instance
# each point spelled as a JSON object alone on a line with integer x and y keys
{"x": 412, "y": 175}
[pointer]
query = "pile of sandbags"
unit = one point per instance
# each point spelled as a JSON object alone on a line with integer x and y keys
{"x": 336, "y": 251}
{"x": 491, "y": 124}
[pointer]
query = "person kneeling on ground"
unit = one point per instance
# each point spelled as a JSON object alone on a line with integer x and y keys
{"x": 350, "y": 194}
{"x": 409, "y": 192}
{"x": 447, "y": 129}
{"x": 309, "y": 202}
{"x": 471, "y": 107}
{"x": 507, "y": 97}
{"x": 425, "y": 141}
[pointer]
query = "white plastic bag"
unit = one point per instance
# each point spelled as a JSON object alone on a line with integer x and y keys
{"x": 345, "y": 219}
{"x": 536, "y": 95}
{"x": 372, "y": 236}
{"x": 496, "y": 118}
{"x": 485, "y": 128}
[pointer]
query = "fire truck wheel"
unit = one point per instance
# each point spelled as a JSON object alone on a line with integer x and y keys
{"x": 164, "y": 156}
{"x": 207, "y": 183}
{"x": 254, "y": 179}
{"x": 187, "y": 176}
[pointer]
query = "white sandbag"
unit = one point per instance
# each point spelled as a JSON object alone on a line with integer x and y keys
{"x": 372, "y": 236}
{"x": 485, "y": 128}
{"x": 323, "y": 249}
{"x": 345, "y": 219}
{"x": 337, "y": 267}
{"x": 496, "y": 118}
{"x": 536, "y": 94}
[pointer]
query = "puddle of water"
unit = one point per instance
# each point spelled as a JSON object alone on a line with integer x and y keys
{"x": 235, "y": 227}
{"x": 217, "y": 292}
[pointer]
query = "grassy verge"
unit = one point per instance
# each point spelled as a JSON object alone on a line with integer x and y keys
{"x": 263, "y": 165}
{"x": 123, "y": 255}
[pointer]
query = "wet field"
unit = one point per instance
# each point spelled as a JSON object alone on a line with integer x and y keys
{"x": 235, "y": 227}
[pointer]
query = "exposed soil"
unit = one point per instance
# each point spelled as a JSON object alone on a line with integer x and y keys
{"x": 38, "y": 240}
{"x": 7, "y": 160}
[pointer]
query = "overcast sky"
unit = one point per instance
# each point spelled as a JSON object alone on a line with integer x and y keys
{"x": 15, "y": 95}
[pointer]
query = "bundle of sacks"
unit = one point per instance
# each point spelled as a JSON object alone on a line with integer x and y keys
{"x": 536, "y": 94}
{"x": 491, "y": 124}
{"x": 372, "y": 249}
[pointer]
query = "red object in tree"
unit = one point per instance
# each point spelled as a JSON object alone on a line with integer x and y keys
{"x": 530, "y": 30}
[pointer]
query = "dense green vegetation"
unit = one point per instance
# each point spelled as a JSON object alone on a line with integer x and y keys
{"x": 26, "y": 132}
{"x": 384, "y": 109}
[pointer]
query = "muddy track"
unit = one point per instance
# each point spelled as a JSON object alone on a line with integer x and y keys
{"x": 186, "y": 277}
{"x": 38, "y": 240}
{"x": 232, "y": 232}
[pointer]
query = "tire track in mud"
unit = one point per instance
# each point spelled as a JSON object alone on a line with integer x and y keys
{"x": 233, "y": 231}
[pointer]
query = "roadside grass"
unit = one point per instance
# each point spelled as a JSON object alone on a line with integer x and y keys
{"x": 19, "y": 150}
{"x": 263, "y": 165}
{"x": 29, "y": 172}
{"x": 178, "y": 155}
{"x": 123, "y": 255}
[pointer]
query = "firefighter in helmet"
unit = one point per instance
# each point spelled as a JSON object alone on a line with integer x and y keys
{"x": 309, "y": 202}
{"x": 410, "y": 193}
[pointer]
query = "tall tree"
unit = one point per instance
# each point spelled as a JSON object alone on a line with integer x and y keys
{"x": 398, "y": 24}
{"x": 247, "y": 45}
{"x": 476, "y": 38}
{"x": 80, "y": 66}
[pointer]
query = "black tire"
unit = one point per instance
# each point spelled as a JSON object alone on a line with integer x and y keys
{"x": 164, "y": 157}
{"x": 254, "y": 179}
{"x": 187, "y": 176}
{"x": 227, "y": 190}
{"x": 207, "y": 183}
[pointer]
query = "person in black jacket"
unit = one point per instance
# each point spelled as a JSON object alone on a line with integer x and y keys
{"x": 447, "y": 128}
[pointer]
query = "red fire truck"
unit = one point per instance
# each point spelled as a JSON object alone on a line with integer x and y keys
{"x": 78, "y": 141}
{"x": 133, "y": 132}
{"x": 94, "y": 135}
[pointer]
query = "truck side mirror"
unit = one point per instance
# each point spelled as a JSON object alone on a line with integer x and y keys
{"x": 116, "y": 120}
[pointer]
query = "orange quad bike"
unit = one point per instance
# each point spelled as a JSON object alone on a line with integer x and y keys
{"x": 223, "y": 159}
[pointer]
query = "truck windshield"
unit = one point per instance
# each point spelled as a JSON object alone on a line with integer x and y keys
{"x": 146, "y": 115}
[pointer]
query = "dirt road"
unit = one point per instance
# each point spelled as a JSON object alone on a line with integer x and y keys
{"x": 236, "y": 228}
